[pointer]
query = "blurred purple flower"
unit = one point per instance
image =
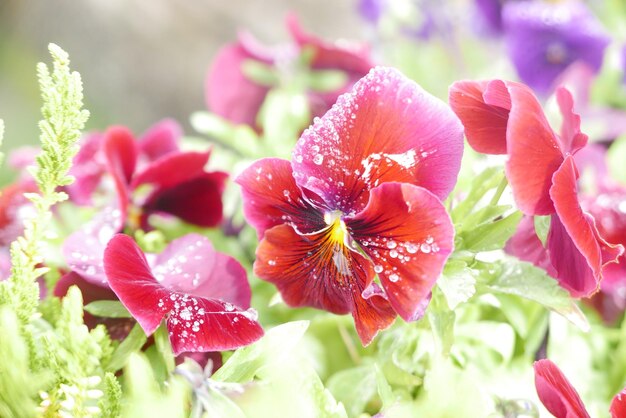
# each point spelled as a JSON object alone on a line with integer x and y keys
{"x": 543, "y": 39}
{"x": 372, "y": 10}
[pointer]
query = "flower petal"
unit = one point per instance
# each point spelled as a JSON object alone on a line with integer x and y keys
{"x": 318, "y": 271}
{"x": 194, "y": 323}
{"x": 190, "y": 264}
{"x": 408, "y": 235}
{"x": 172, "y": 169}
{"x": 121, "y": 153}
{"x": 386, "y": 129}
{"x": 526, "y": 245}
{"x": 161, "y": 139}
{"x": 271, "y": 197}
{"x": 556, "y": 393}
{"x": 534, "y": 152}
{"x": 618, "y": 405}
{"x": 87, "y": 168}
{"x": 197, "y": 201}
{"x": 485, "y": 124}
{"x": 571, "y": 139}
{"x": 229, "y": 93}
{"x": 83, "y": 250}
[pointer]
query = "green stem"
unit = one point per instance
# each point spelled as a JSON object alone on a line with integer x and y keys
{"x": 501, "y": 186}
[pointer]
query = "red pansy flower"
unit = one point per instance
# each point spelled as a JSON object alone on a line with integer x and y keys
{"x": 561, "y": 399}
{"x": 505, "y": 117}
{"x": 204, "y": 296}
{"x": 232, "y": 95}
{"x": 361, "y": 197}
{"x": 177, "y": 181}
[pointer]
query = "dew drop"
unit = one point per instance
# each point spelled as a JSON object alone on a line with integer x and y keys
{"x": 393, "y": 253}
{"x": 318, "y": 159}
{"x": 378, "y": 269}
{"x": 394, "y": 278}
{"x": 411, "y": 248}
{"x": 391, "y": 244}
{"x": 425, "y": 248}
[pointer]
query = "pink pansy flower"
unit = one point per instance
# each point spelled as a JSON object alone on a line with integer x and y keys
{"x": 506, "y": 118}
{"x": 561, "y": 399}
{"x": 361, "y": 197}
{"x": 178, "y": 186}
{"x": 232, "y": 95}
{"x": 204, "y": 296}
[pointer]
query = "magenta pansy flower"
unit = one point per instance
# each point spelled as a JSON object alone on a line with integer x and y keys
{"x": 561, "y": 399}
{"x": 360, "y": 198}
{"x": 203, "y": 295}
{"x": 232, "y": 95}
{"x": 506, "y": 118}
{"x": 176, "y": 182}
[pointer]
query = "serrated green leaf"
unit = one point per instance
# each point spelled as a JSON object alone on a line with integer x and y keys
{"x": 108, "y": 309}
{"x": 525, "y": 280}
{"x": 131, "y": 344}
{"x": 491, "y": 236}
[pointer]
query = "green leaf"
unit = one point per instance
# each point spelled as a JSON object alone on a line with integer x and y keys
{"x": 162, "y": 342}
{"x": 108, "y": 309}
{"x": 385, "y": 393}
{"x": 457, "y": 283}
{"x": 131, "y": 344}
{"x": 491, "y": 236}
{"x": 354, "y": 388}
{"x": 485, "y": 181}
{"x": 542, "y": 226}
{"x": 326, "y": 80}
{"x": 523, "y": 279}
{"x": 441, "y": 320}
{"x": 260, "y": 73}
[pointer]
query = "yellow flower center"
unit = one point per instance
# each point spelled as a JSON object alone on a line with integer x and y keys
{"x": 338, "y": 229}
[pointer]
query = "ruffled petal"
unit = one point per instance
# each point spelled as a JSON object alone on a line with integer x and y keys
{"x": 190, "y": 264}
{"x": 271, "y": 197}
{"x": 121, "y": 154}
{"x": 485, "y": 124}
{"x": 556, "y": 393}
{"x": 320, "y": 271}
{"x": 618, "y": 405}
{"x": 534, "y": 152}
{"x": 160, "y": 139}
{"x": 229, "y": 93}
{"x": 573, "y": 235}
{"x": 172, "y": 169}
{"x": 386, "y": 129}
{"x": 83, "y": 250}
{"x": 194, "y": 323}
{"x": 571, "y": 139}
{"x": 197, "y": 201}
{"x": 408, "y": 235}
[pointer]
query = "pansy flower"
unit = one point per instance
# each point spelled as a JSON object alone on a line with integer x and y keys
{"x": 544, "y": 38}
{"x": 505, "y": 117}
{"x": 203, "y": 296}
{"x": 561, "y": 399}
{"x": 234, "y": 96}
{"x": 177, "y": 184}
{"x": 361, "y": 197}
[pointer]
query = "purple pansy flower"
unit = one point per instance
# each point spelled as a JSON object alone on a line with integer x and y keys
{"x": 544, "y": 38}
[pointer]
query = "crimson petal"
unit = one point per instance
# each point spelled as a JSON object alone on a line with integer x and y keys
{"x": 485, "y": 124}
{"x": 534, "y": 152}
{"x": 526, "y": 245}
{"x": 618, "y": 405}
{"x": 197, "y": 201}
{"x": 556, "y": 393}
{"x": 194, "y": 323}
{"x": 408, "y": 235}
{"x": 386, "y": 129}
{"x": 121, "y": 153}
{"x": 172, "y": 169}
{"x": 160, "y": 139}
{"x": 190, "y": 264}
{"x": 87, "y": 169}
{"x": 319, "y": 271}
{"x": 271, "y": 197}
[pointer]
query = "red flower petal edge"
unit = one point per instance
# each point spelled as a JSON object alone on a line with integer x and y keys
{"x": 556, "y": 393}
{"x": 194, "y": 323}
{"x": 618, "y": 405}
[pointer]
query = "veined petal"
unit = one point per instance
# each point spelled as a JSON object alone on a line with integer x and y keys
{"x": 556, "y": 393}
{"x": 618, "y": 405}
{"x": 172, "y": 169}
{"x": 408, "y": 235}
{"x": 320, "y": 271}
{"x": 386, "y": 129}
{"x": 485, "y": 124}
{"x": 271, "y": 197}
{"x": 160, "y": 139}
{"x": 571, "y": 139}
{"x": 190, "y": 264}
{"x": 533, "y": 150}
{"x": 197, "y": 200}
{"x": 121, "y": 153}
{"x": 194, "y": 323}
